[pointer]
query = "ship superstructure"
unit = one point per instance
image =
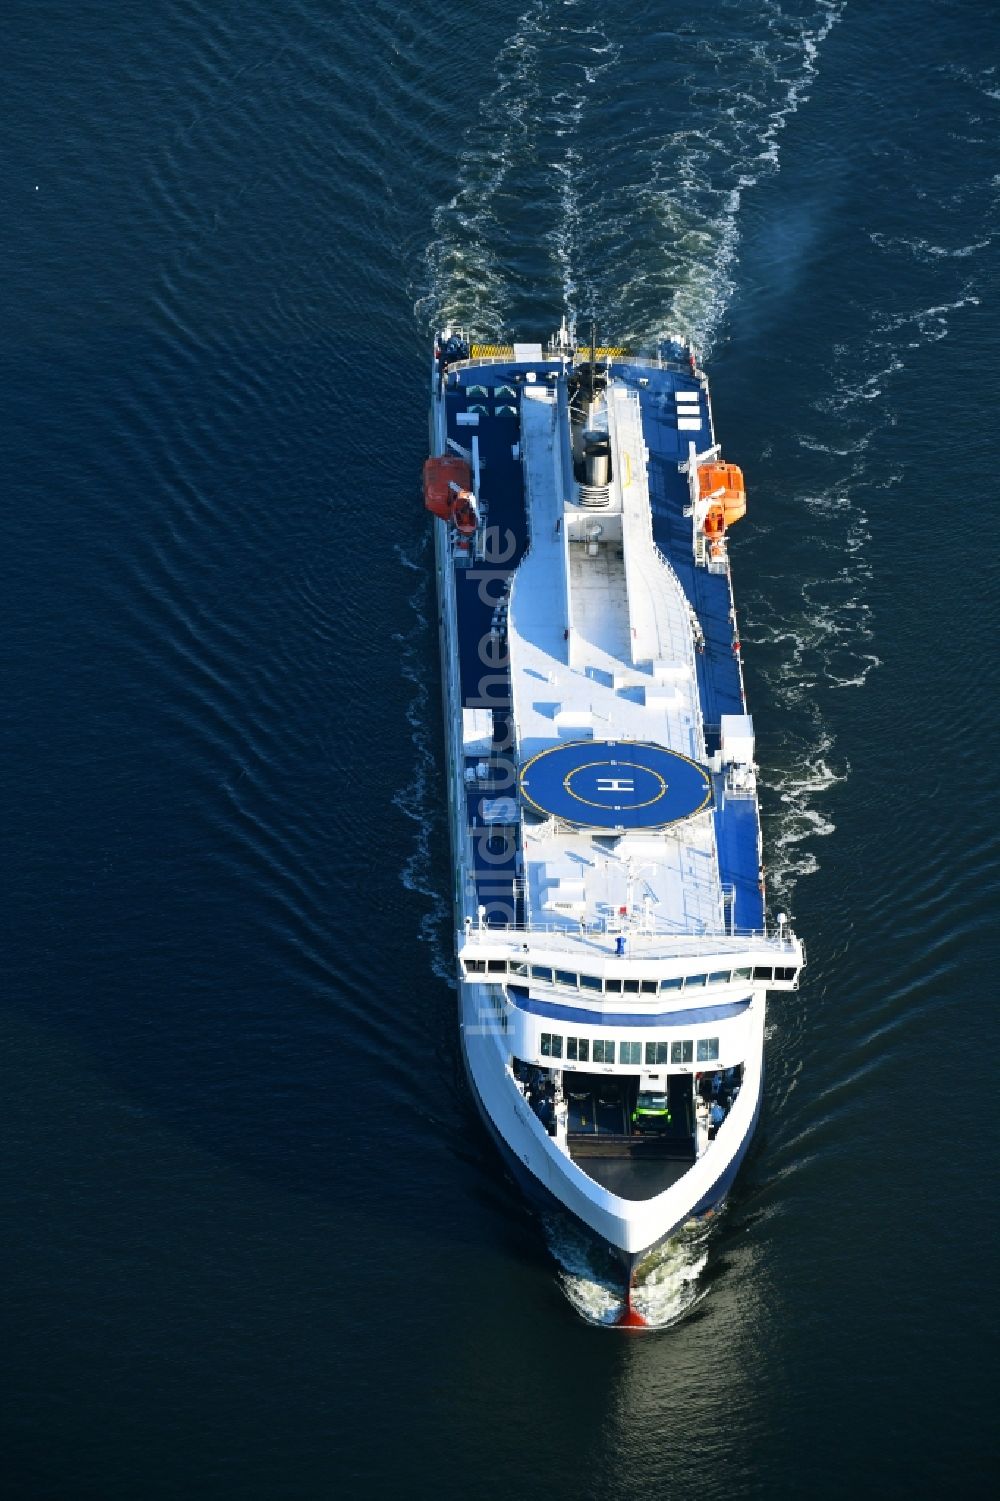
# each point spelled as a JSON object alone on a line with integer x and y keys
{"x": 612, "y": 946}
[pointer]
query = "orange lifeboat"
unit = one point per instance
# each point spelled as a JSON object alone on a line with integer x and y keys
{"x": 723, "y": 484}
{"x": 444, "y": 478}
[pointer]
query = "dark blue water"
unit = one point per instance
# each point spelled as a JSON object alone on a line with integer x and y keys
{"x": 254, "y": 1242}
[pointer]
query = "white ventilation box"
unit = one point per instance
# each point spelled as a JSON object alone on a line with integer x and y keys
{"x": 671, "y": 672}
{"x": 562, "y": 888}
{"x": 568, "y": 896}
{"x": 660, "y": 697}
{"x": 737, "y": 739}
{"x": 477, "y": 731}
{"x": 575, "y": 724}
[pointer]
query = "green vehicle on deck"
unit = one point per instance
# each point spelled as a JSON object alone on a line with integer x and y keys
{"x": 652, "y": 1112}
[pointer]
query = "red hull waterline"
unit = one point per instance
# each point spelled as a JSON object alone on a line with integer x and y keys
{"x": 630, "y": 1317}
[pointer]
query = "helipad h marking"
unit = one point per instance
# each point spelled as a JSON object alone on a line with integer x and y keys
{"x": 592, "y": 803}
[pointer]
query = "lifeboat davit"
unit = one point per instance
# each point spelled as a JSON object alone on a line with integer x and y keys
{"x": 723, "y": 485}
{"x": 463, "y": 512}
{"x": 715, "y": 521}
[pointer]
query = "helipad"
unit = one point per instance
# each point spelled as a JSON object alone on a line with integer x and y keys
{"x": 615, "y": 784}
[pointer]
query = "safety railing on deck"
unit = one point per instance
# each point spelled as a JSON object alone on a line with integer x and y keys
{"x": 640, "y": 941}
{"x": 601, "y": 929}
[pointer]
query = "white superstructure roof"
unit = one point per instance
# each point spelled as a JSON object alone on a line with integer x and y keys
{"x": 602, "y": 646}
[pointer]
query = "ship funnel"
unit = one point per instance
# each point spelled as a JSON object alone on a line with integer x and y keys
{"x": 597, "y": 457}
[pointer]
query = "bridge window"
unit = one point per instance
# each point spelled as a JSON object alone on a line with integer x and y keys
{"x": 762, "y": 974}
{"x": 630, "y": 1052}
{"x": 591, "y": 982}
{"x": 674, "y": 983}
{"x": 648, "y": 987}
{"x": 613, "y": 987}
{"x": 708, "y": 1049}
{"x": 578, "y": 1049}
{"x": 720, "y": 977}
{"x": 497, "y": 966}
{"x": 563, "y": 977}
{"x": 657, "y": 1052}
{"x": 682, "y": 1052}
{"x": 631, "y": 987}
{"x": 541, "y": 972}
{"x": 551, "y": 1045}
{"x": 784, "y": 974}
{"x": 695, "y": 982}
{"x": 475, "y": 966}
{"x": 517, "y": 967}
{"x": 604, "y": 1050}
{"x": 742, "y": 974}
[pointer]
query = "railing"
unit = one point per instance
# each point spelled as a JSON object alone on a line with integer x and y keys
{"x": 551, "y": 354}
{"x": 606, "y": 928}
{"x": 488, "y": 359}
{"x": 696, "y": 630}
{"x": 641, "y": 943}
{"x": 741, "y": 782}
{"x": 729, "y": 905}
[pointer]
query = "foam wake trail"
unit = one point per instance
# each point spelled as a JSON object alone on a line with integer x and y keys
{"x": 571, "y": 199}
{"x": 422, "y": 798}
{"x": 503, "y": 241}
{"x": 661, "y": 240}
{"x": 820, "y": 640}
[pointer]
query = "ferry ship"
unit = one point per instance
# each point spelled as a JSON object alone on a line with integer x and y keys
{"x": 613, "y": 949}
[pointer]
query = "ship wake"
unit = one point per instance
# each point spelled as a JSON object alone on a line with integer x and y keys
{"x": 569, "y": 200}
